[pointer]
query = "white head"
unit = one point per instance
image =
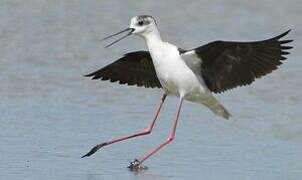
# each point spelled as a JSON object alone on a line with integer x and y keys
{"x": 142, "y": 25}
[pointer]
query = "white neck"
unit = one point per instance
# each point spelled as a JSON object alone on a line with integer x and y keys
{"x": 153, "y": 39}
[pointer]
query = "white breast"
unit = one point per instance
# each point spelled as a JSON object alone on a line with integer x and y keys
{"x": 173, "y": 72}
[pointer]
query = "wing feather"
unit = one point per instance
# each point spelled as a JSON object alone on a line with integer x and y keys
{"x": 135, "y": 68}
{"x": 228, "y": 64}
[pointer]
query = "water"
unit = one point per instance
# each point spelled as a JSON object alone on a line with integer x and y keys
{"x": 51, "y": 115}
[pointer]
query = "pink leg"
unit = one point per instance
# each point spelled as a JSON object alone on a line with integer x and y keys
{"x": 171, "y": 137}
{"x": 140, "y": 133}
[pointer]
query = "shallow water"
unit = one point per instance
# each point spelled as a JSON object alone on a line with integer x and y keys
{"x": 51, "y": 115}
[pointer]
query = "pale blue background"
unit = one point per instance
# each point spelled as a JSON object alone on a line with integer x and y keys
{"x": 51, "y": 115}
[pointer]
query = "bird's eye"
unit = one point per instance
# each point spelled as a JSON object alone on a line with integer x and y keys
{"x": 140, "y": 23}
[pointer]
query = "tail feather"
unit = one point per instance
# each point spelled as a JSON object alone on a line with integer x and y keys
{"x": 213, "y": 104}
{"x": 218, "y": 109}
{"x": 221, "y": 111}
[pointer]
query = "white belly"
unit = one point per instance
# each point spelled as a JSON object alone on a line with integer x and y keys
{"x": 175, "y": 76}
{"x": 178, "y": 79}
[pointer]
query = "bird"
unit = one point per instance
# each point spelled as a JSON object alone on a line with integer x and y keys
{"x": 194, "y": 75}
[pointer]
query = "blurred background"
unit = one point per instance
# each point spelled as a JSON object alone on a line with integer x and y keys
{"x": 51, "y": 115}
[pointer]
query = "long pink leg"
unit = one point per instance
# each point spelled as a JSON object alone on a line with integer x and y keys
{"x": 140, "y": 133}
{"x": 171, "y": 137}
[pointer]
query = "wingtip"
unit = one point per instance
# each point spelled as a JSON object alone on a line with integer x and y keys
{"x": 289, "y": 30}
{"x": 286, "y": 41}
{"x": 86, "y": 75}
{"x": 286, "y": 32}
{"x": 282, "y": 35}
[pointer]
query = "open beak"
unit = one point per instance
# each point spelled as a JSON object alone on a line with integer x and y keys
{"x": 129, "y": 30}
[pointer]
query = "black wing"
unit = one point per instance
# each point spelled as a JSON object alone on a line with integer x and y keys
{"x": 135, "y": 68}
{"x": 226, "y": 65}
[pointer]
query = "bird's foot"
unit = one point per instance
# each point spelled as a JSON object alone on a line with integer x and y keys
{"x": 136, "y": 166}
{"x": 95, "y": 149}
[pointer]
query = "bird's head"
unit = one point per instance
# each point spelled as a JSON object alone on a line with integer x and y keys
{"x": 142, "y": 25}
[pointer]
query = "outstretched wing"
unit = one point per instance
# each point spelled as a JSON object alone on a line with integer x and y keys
{"x": 226, "y": 65}
{"x": 135, "y": 68}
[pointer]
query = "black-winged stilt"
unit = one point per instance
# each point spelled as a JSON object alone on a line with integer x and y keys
{"x": 191, "y": 75}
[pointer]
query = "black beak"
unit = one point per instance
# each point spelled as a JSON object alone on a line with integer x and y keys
{"x": 130, "y": 30}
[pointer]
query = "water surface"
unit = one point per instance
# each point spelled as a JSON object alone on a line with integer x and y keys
{"x": 51, "y": 115}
